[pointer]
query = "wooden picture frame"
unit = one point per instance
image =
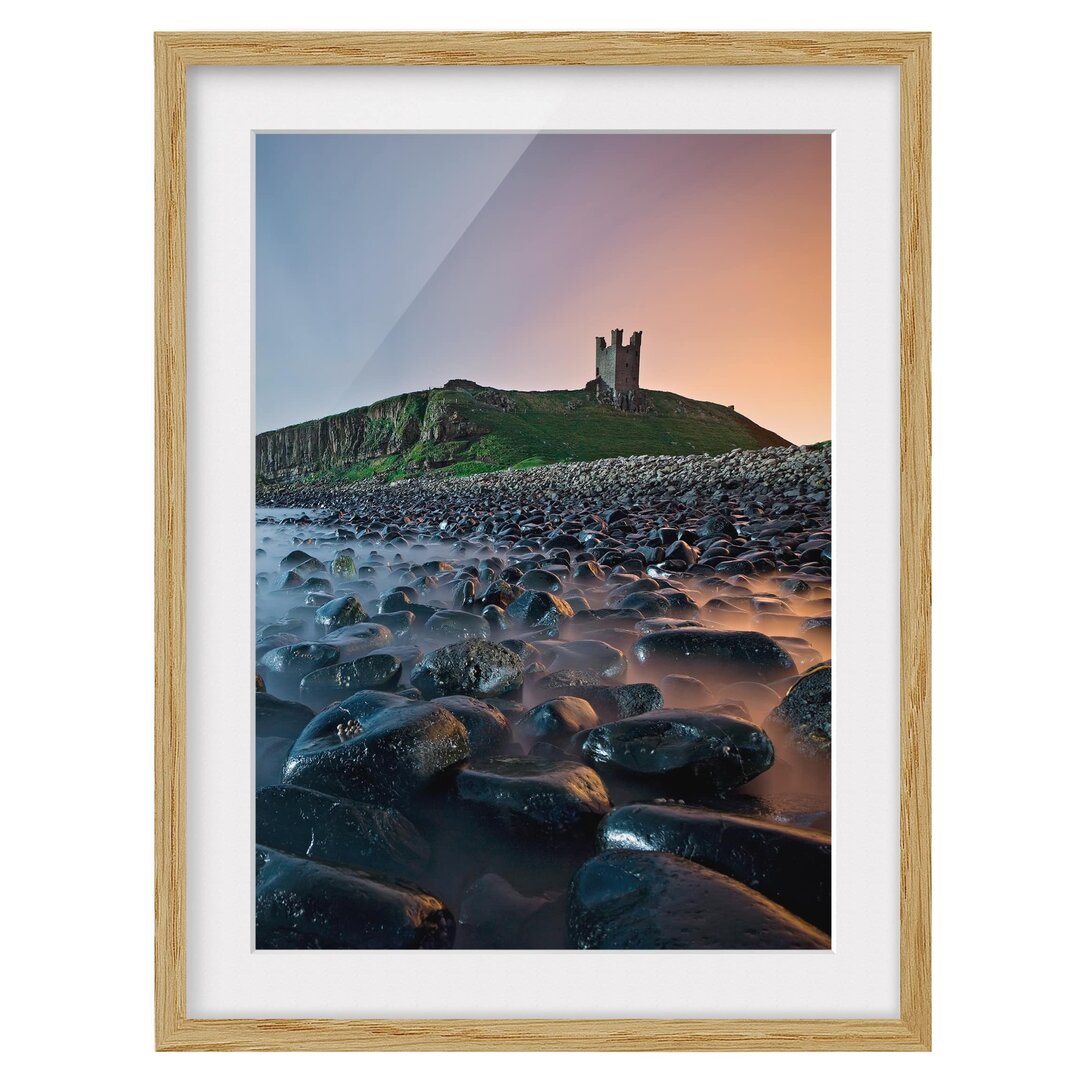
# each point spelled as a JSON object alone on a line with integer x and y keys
{"x": 910, "y": 53}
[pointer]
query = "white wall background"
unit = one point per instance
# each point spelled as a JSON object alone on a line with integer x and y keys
{"x": 77, "y": 455}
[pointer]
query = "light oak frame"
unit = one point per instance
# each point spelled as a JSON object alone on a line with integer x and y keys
{"x": 174, "y": 52}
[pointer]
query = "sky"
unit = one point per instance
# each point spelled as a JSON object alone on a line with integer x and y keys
{"x": 386, "y": 263}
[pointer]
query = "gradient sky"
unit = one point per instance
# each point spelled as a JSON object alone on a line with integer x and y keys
{"x": 393, "y": 262}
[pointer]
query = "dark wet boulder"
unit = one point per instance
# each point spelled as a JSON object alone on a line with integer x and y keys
{"x": 541, "y": 581}
{"x": 375, "y": 671}
{"x": 556, "y": 794}
{"x": 294, "y": 558}
{"x": 463, "y": 593}
{"x": 714, "y": 526}
{"x": 563, "y": 540}
{"x": 293, "y": 662}
{"x": 473, "y": 668}
{"x": 300, "y": 821}
{"x": 589, "y": 572}
{"x": 500, "y": 593}
{"x": 398, "y": 599}
{"x": 451, "y": 626}
{"x": 359, "y": 639}
{"x": 529, "y": 653}
{"x": 344, "y": 611}
{"x": 729, "y": 655}
{"x": 683, "y": 605}
{"x": 634, "y": 585}
{"x": 486, "y": 726}
{"x": 696, "y": 750}
{"x": 385, "y": 758}
{"x": 287, "y": 580}
{"x": 303, "y": 904}
{"x": 399, "y": 623}
{"x": 650, "y": 900}
{"x": 342, "y": 720}
{"x": 614, "y": 702}
{"x": 558, "y": 719}
{"x": 279, "y": 718}
{"x": 540, "y": 609}
{"x": 683, "y": 552}
{"x": 790, "y": 865}
{"x": 647, "y": 605}
{"x": 806, "y": 710}
{"x": 495, "y": 616}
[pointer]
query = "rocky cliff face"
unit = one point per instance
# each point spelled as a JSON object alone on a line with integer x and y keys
{"x": 394, "y": 426}
{"x": 471, "y": 429}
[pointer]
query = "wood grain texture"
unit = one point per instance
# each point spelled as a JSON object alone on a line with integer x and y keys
{"x": 170, "y": 432}
{"x": 910, "y": 52}
{"x": 915, "y": 541}
{"x": 550, "y": 48}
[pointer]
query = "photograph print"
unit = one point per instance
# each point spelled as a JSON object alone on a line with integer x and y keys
{"x": 542, "y": 541}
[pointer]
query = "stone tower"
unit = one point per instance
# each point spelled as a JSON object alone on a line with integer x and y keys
{"x": 617, "y": 372}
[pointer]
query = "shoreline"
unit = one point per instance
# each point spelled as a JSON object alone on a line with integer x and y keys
{"x": 692, "y": 480}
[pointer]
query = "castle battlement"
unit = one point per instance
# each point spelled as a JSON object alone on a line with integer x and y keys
{"x": 618, "y": 370}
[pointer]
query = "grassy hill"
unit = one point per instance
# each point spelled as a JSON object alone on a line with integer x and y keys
{"x": 465, "y": 428}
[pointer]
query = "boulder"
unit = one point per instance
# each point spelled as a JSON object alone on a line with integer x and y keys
{"x": 303, "y": 904}
{"x": 539, "y": 609}
{"x": 300, "y": 821}
{"x": 293, "y": 662}
{"x": 486, "y": 726}
{"x": 541, "y": 581}
{"x": 358, "y": 639}
{"x": 341, "y": 720}
{"x": 371, "y": 672}
{"x": 556, "y": 794}
{"x": 789, "y": 865}
{"x": 344, "y": 611}
{"x": 457, "y": 626}
{"x": 473, "y": 668}
{"x": 721, "y": 655}
{"x": 696, "y": 750}
{"x": 384, "y": 759}
{"x": 649, "y": 900}
{"x": 610, "y": 702}
{"x": 806, "y": 710}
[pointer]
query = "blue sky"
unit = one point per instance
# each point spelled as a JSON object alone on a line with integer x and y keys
{"x": 393, "y": 262}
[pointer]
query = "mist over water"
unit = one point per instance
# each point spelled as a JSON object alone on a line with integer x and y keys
{"x": 483, "y": 864}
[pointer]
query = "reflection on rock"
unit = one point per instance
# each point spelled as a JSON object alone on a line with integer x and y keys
{"x": 639, "y": 900}
{"x": 302, "y": 904}
{"x": 789, "y": 865}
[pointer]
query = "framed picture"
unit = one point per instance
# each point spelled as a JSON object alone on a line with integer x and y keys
{"x": 512, "y": 393}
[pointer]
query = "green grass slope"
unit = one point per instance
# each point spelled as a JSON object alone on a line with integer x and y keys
{"x": 465, "y": 428}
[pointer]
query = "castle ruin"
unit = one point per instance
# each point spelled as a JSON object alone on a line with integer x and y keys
{"x": 617, "y": 373}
